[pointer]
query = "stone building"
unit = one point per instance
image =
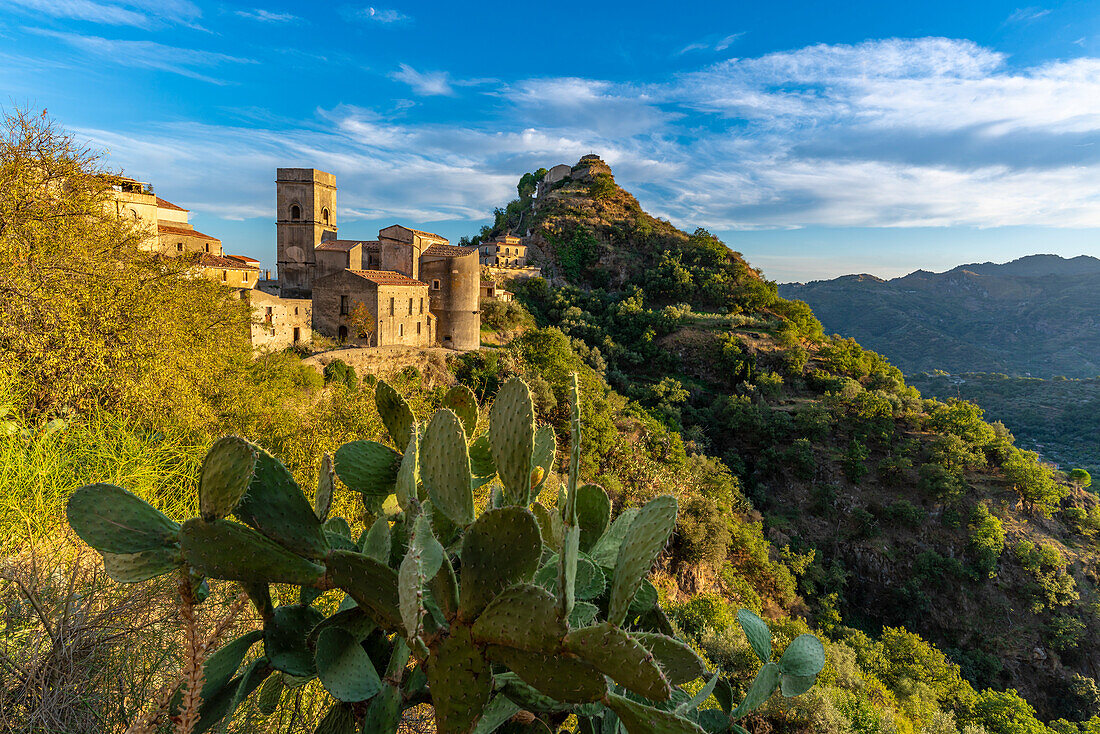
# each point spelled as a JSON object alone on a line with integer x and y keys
{"x": 506, "y": 251}
{"x": 489, "y": 289}
{"x": 403, "y": 263}
{"x": 169, "y": 233}
{"x": 373, "y": 308}
{"x": 277, "y": 322}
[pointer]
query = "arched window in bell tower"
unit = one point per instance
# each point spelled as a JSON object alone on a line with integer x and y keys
{"x": 324, "y": 215}
{"x": 295, "y": 212}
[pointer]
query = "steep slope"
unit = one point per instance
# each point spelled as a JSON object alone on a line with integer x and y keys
{"x": 891, "y": 510}
{"x": 1034, "y": 316}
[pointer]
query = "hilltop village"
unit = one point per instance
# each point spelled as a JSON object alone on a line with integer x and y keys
{"x": 407, "y": 288}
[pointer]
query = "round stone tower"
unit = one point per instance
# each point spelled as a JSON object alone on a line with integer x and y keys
{"x": 453, "y": 275}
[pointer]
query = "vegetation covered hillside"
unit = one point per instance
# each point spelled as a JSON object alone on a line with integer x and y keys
{"x": 1034, "y": 316}
{"x": 1059, "y": 418}
{"x": 891, "y": 511}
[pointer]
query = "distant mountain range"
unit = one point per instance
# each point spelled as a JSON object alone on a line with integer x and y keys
{"x": 1038, "y": 315}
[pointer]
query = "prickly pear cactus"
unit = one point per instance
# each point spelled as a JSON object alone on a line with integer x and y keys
{"x": 522, "y": 613}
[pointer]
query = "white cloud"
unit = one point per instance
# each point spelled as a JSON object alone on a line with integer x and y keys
{"x": 146, "y": 54}
{"x": 891, "y": 133}
{"x": 1026, "y": 15}
{"x": 425, "y": 83}
{"x": 137, "y": 13}
{"x": 267, "y": 16}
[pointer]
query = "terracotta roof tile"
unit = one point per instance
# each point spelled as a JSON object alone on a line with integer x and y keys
{"x": 387, "y": 277}
{"x": 422, "y": 233}
{"x": 244, "y": 258}
{"x": 185, "y": 231}
{"x": 337, "y": 245}
{"x": 162, "y": 204}
{"x": 223, "y": 263}
{"x": 448, "y": 250}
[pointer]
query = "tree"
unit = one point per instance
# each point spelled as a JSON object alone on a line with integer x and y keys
{"x": 1080, "y": 478}
{"x": 1034, "y": 481}
{"x": 87, "y": 317}
{"x": 360, "y": 320}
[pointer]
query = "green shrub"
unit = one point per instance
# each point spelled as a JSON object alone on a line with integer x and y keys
{"x": 854, "y": 462}
{"x": 1064, "y": 633}
{"x": 341, "y": 373}
{"x": 939, "y": 483}
{"x": 800, "y": 457}
{"x": 987, "y": 540}
{"x": 905, "y": 513}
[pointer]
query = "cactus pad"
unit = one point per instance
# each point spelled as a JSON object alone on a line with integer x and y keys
{"x": 583, "y": 614}
{"x": 593, "y": 514}
{"x": 285, "y": 639}
{"x": 805, "y": 656}
{"x": 549, "y": 524}
{"x": 421, "y": 563}
{"x": 678, "y": 661}
{"x": 617, "y": 654}
{"x": 542, "y": 457}
{"x": 460, "y": 681}
{"x": 496, "y": 712}
{"x": 367, "y": 467}
{"x": 606, "y": 550}
{"x": 344, "y": 667}
{"x": 373, "y": 585}
{"x": 637, "y": 718}
{"x": 225, "y": 476}
{"x": 523, "y": 616}
{"x": 648, "y": 534}
{"x": 384, "y": 711}
{"x": 796, "y": 685}
{"x": 481, "y": 461}
{"x": 322, "y": 498}
{"x": 276, "y": 507}
{"x": 512, "y": 438}
{"x": 445, "y": 468}
{"x": 757, "y": 632}
{"x": 340, "y": 719}
{"x": 460, "y": 399}
{"x": 112, "y": 520}
{"x": 560, "y": 677}
{"x": 376, "y": 542}
{"x": 129, "y": 568}
{"x": 763, "y": 686}
{"x": 408, "y": 474}
{"x": 395, "y": 413}
{"x": 226, "y": 550}
{"x": 501, "y": 548}
{"x": 271, "y": 694}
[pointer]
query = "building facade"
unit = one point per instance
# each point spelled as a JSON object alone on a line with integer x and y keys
{"x": 506, "y": 251}
{"x": 383, "y": 276}
{"x": 278, "y": 323}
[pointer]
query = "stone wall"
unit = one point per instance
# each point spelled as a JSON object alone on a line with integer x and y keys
{"x": 404, "y": 316}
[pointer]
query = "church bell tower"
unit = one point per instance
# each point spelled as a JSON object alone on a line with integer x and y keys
{"x": 305, "y": 214}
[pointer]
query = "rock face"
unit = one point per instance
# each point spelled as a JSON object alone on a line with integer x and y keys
{"x": 1037, "y": 315}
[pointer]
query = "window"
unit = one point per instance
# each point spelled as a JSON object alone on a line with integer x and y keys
{"x": 208, "y": 247}
{"x": 435, "y": 284}
{"x": 410, "y": 307}
{"x": 324, "y": 215}
{"x": 295, "y": 213}
{"x": 344, "y": 310}
{"x": 295, "y": 310}
{"x": 267, "y": 315}
{"x": 421, "y": 305}
{"x": 225, "y": 275}
{"x": 391, "y": 305}
{"x": 179, "y": 247}
{"x": 297, "y": 334}
{"x": 418, "y": 328}
{"x": 401, "y": 330}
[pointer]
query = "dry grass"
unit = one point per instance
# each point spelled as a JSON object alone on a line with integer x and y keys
{"x": 80, "y": 653}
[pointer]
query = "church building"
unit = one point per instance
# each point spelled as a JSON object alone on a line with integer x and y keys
{"x": 408, "y": 287}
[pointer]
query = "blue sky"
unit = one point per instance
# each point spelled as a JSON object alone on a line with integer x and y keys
{"x": 817, "y": 138}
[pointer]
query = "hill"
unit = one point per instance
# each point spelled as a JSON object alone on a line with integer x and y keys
{"x": 891, "y": 511}
{"x": 1037, "y": 316}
